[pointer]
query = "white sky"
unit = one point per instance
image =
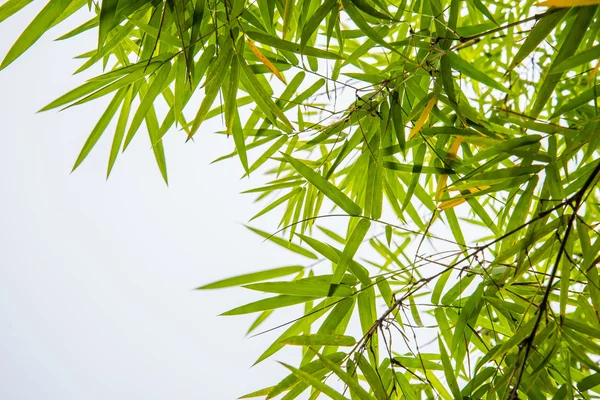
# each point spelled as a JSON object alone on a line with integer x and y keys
{"x": 96, "y": 277}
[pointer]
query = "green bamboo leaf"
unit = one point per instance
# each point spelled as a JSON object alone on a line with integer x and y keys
{"x": 158, "y": 84}
{"x": 299, "y": 327}
{"x": 125, "y": 81}
{"x": 367, "y": 314}
{"x": 576, "y": 102}
{"x": 11, "y": 7}
{"x": 356, "y": 238}
{"x": 120, "y": 129}
{"x": 288, "y": 15}
{"x": 570, "y": 45}
{"x": 271, "y": 303}
{"x": 40, "y": 24}
{"x": 405, "y": 386}
{"x": 449, "y": 370}
{"x": 478, "y": 380}
{"x": 277, "y": 202}
{"x": 156, "y": 142}
{"x": 299, "y": 288}
{"x": 230, "y": 94}
{"x": 156, "y": 34}
{"x": 418, "y": 159}
{"x": 239, "y": 140}
{"x": 365, "y": 28}
{"x": 258, "y": 393}
{"x": 353, "y": 385}
{"x": 267, "y": 154}
{"x": 416, "y": 169}
{"x": 469, "y": 70}
{"x": 370, "y": 10}
{"x": 108, "y": 10}
{"x": 448, "y": 80}
{"x": 333, "y": 255}
{"x": 484, "y": 10}
{"x": 467, "y": 317}
{"x": 86, "y": 26}
{"x": 578, "y": 59}
{"x": 374, "y": 200}
{"x": 315, "y": 20}
{"x": 457, "y": 289}
{"x": 417, "y": 363}
{"x": 262, "y": 317}
{"x": 100, "y": 127}
{"x": 540, "y": 31}
{"x": 316, "y": 383}
{"x": 332, "y": 192}
{"x": 253, "y": 277}
{"x": 258, "y": 94}
{"x": 285, "y": 45}
{"x": 320, "y": 340}
{"x": 284, "y": 243}
{"x": 314, "y": 368}
{"x": 589, "y": 382}
{"x": 372, "y": 377}
{"x": 506, "y": 173}
{"x": 212, "y": 86}
{"x": 439, "y": 286}
{"x": 388, "y": 234}
{"x": 75, "y": 94}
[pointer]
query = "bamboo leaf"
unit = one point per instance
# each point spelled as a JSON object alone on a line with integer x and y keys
{"x": 570, "y": 45}
{"x": 355, "y": 388}
{"x": 541, "y": 29}
{"x": 258, "y": 94}
{"x": 320, "y": 340}
{"x": 285, "y": 45}
{"x": 107, "y": 15}
{"x": 11, "y": 7}
{"x": 356, "y": 238}
{"x": 469, "y": 70}
{"x": 253, "y": 277}
{"x": 578, "y": 59}
{"x": 270, "y": 303}
{"x": 299, "y": 288}
{"x": 265, "y": 61}
{"x": 284, "y": 243}
{"x": 316, "y": 383}
{"x": 315, "y": 20}
{"x": 41, "y": 23}
{"x": 328, "y": 189}
{"x": 212, "y": 86}
{"x": 156, "y": 87}
{"x": 100, "y": 127}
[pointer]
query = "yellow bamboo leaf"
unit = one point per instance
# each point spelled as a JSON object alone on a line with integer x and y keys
{"x": 594, "y": 72}
{"x": 422, "y": 118}
{"x": 567, "y": 3}
{"x": 444, "y": 177}
{"x": 445, "y": 205}
{"x": 472, "y": 190}
{"x": 441, "y": 184}
{"x": 265, "y": 61}
{"x": 450, "y": 203}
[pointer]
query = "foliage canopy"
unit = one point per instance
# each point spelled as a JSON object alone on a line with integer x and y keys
{"x": 456, "y": 143}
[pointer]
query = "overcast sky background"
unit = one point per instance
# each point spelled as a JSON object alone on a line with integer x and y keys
{"x": 96, "y": 276}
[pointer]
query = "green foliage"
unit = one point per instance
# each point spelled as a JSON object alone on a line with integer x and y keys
{"x": 465, "y": 132}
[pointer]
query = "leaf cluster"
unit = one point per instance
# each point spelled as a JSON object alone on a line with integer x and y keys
{"x": 436, "y": 163}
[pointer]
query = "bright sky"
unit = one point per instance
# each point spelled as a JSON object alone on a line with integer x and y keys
{"x": 96, "y": 298}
